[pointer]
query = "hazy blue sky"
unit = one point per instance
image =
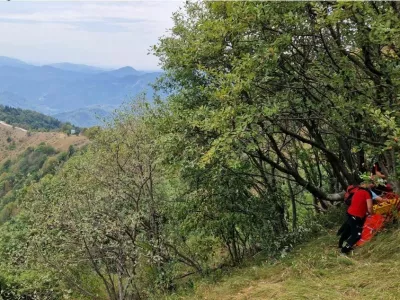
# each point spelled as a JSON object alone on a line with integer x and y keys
{"x": 96, "y": 33}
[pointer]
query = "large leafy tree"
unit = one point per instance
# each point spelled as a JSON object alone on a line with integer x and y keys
{"x": 102, "y": 223}
{"x": 307, "y": 91}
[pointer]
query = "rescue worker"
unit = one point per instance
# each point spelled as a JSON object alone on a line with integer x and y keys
{"x": 345, "y": 230}
{"x": 360, "y": 207}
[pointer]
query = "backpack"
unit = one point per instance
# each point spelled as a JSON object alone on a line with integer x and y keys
{"x": 350, "y": 191}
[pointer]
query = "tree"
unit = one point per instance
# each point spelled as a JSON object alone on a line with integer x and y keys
{"x": 305, "y": 90}
{"x": 101, "y": 210}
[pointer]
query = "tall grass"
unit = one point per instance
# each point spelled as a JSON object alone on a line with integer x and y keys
{"x": 314, "y": 270}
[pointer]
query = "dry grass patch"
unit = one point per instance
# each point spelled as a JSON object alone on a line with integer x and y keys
{"x": 22, "y": 140}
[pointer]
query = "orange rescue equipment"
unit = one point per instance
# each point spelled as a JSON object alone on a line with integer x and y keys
{"x": 383, "y": 213}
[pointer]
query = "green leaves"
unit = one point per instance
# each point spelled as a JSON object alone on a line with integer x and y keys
{"x": 265, "y": 66}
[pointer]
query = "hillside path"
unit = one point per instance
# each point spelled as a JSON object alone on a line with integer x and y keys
{"x": 8, "y": 125}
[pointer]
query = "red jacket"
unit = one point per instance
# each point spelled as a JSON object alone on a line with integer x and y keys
{"x": 358, "y": 207}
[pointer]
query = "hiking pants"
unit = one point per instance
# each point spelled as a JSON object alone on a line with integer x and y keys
{"x": 344, "y": 232}
{"x": 356, "y": 227}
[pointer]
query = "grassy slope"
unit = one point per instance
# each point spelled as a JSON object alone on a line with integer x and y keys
{"x": 316, "y": 271}
{"x": 58, "y": 140}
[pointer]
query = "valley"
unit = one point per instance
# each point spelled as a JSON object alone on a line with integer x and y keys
{"x": 73, "y": 93}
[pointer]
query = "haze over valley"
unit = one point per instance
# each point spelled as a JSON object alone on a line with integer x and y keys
{"x": 75, "y": 93}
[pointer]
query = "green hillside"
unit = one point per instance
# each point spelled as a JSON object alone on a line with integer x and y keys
{"x": 19, "y": 173}
{"x": 29, "y": 119}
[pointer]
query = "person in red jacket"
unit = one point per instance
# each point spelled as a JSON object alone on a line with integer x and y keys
{"x": 360, "y": 207}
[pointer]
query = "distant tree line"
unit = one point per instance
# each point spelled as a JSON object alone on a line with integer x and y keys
{"x": 32, "y": 120}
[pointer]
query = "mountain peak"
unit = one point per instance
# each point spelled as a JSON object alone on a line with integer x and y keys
{"x": 127, "y": 68}
{"x": 125, "y": 71}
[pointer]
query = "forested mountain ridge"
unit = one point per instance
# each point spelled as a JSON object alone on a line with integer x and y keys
{"x": 28, "y": 119}
{"x": 24, "y": 129}
{"x": 274, "y": 108}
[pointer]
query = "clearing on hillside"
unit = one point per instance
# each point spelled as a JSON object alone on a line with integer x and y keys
{"x": 14, "y": 140}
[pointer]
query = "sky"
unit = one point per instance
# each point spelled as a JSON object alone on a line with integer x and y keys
{"x": 106, "y": 34}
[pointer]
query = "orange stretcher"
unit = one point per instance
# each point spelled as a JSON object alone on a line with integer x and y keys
{"x": 383, "y": 213}
{"x": 390, "y": 206}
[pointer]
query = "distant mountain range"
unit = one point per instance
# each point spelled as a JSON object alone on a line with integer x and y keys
{"x": 12, "y": 62}
{"x": 70, "y": 92}
{"x": 78, "y": 68}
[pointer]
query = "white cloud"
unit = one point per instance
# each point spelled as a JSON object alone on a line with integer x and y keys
{"x": 99, "y": 33}
{"x": 85, "y": 12}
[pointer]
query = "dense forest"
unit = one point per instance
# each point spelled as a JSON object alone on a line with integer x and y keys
{"x": 274, "y": 109}
{"x": 32, "y": 120}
